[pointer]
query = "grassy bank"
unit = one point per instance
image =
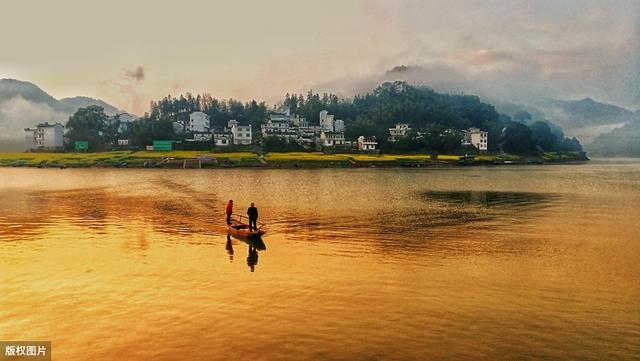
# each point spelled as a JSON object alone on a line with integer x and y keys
{"x": 198, "y": 159}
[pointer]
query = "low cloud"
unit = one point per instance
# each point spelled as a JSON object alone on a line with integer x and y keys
{"x": 521, "y": 75}
{"x": 137, "y": 74}
{"x": 18, "y": 113}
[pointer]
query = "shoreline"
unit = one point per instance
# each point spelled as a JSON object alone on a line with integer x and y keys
{"x": 293, "y": 160}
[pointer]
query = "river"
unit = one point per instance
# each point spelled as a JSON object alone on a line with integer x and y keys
{"x": 505, "y": 262}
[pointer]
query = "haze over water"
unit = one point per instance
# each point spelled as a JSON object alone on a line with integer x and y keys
{"x": 358, "y": 264}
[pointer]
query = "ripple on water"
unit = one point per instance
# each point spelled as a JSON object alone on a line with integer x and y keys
{"x": 396, "y": 265}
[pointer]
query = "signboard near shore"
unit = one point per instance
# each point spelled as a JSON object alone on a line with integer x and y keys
{"x": 162, "y": 145}
{"x": 81, "y": 146}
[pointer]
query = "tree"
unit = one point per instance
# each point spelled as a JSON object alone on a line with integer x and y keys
{"x": 542, "y": 136}
{"x": 517, "y": 139}
{"x": 277, "y": 144}
{"x": 87, "y": 124}
{"x": 110, "y": 130}
{"x": 570, "y": 145}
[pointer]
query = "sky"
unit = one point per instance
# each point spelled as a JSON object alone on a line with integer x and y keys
{"x": 130, "y": 52}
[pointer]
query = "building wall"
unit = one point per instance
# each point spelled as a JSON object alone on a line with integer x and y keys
{"x": 326, "y": 121}
{"x": 241, "y": 134}
{"x": 479, "y": 139}
{"x": 198, "y": 122}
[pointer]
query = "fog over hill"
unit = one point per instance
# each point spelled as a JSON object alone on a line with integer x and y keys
{"x": 574, "y": 110}
{"x": 23, "y": 104}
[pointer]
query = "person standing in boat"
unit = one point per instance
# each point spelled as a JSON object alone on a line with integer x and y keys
{"x": 229, "y": 210}
{"x": 252, "y": 213}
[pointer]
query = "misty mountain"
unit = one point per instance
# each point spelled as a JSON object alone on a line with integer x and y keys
{"x": 11, "y": 88}
{"x": 624, "y": 141}
{"x": 24, "y": 104}
{"x": 587, "y": 112}
{"x": 513, "y": 110}
{"x": 584, "y": 119}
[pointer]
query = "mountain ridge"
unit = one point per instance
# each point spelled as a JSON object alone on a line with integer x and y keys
{"x": 24, "y": 104}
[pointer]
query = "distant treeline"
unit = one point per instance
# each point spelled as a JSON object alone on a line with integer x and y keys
{"x": 431, "y": 116}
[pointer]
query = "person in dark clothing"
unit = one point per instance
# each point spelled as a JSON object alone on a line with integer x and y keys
{"x": 252, "y": 258}
{"x": 229, "y": 210}
{"x": 252, "y": 212}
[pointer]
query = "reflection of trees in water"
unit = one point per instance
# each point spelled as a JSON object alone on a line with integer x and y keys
{"x": 447, "y": 221}
{"x": 504, "y": 201}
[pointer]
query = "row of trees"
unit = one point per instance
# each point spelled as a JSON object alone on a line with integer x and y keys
{"x": 436, "y": 119}
{"x": 219, "y": 111}
{"x": 434, "y": 115}
{"x": 101, "y": 131}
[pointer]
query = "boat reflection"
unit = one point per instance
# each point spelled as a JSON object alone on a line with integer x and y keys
{"x": 229, "y": 247}
{"x": 255, "y": 244}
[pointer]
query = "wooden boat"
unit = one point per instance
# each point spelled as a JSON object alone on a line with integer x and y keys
{"x": 238, "y": 228}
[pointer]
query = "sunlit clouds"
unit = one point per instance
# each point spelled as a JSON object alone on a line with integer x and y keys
{"x": 130, "y": 53}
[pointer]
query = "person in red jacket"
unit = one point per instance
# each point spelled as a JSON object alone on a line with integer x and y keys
{"x": 229, "y": 210}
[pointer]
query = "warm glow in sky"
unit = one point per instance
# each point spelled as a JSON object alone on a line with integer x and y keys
{"x": 253, "y": 49}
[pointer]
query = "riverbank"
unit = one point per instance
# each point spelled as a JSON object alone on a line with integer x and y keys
{"x": 199, "y": 159}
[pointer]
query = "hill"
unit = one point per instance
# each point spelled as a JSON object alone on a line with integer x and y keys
{"x": 624, "y": 141}
{"x": 23, "y": 104}
{"x": 83, "y": 102}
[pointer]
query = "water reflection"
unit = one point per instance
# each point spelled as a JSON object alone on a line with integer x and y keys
{"x": 229, "y": 247}
{"x": 254, "y": 244}
{"x": 252, "y": 258}
{"x": 417, "y": 270}
{"x": 492, "y": 199}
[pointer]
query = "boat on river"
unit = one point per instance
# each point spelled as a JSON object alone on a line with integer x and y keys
{"x": 240, "y": 229}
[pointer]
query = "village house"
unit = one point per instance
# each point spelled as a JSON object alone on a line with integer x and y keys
{"x": 277, "y": 124}
{"x": 198, "y": 122}
{"x": 399, "y": 131}
{"x": 222, "y": 138}
{"x": 241, "y": 133}
{"x": 331, "y": 139}
{"x": 45, "y": 136}
{"x": 326, "y": 121}
{"x": 283, "y": 125}
{"x": 367, "y": 143}
{"x": 476, "y": 138}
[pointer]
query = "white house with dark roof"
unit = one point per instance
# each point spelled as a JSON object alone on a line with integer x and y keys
{"x": 367, "y": 143}
{"x": 45, "y": 136}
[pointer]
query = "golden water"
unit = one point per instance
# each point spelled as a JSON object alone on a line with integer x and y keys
{"x": 366, "y": 264}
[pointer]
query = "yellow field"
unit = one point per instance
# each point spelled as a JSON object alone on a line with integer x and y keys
{"x": 36, "y": 157}
{"x": 305, "y": 157}
{"x": 114, "y": 158}
{"x": 139, "y": 158}
{"x": 321, "y": 157}
{"x": 189, "y": 154}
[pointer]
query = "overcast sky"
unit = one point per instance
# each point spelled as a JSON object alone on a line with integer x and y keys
{"x": 129, "y": 52}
